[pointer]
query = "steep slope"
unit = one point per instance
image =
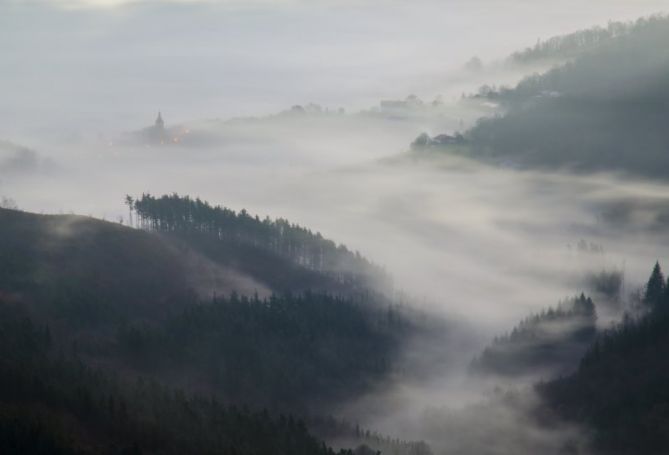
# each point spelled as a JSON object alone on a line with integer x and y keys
{"x": 620, "y": 388}
{"x": 132, "y": 301}
{"x": 65, "y": 264}
{"x": 280, "y": 254}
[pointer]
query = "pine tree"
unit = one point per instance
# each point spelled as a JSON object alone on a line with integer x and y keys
{"x": 655, "y": 287}
{"x": 129, "y": 202}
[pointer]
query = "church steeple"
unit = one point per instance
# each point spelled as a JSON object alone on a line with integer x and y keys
{"x": 160, "y": 124}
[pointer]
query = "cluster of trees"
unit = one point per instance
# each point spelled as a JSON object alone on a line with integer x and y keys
{"x": 607, "y": 284}
{"x": 620, "y": 387}
{"x": 193, "y": 218}
{"x": 552, "y": 340}
{"x": 366, "y": 442}
{"x": 573, "y": 44}
{"x": 284, "y": 352}
{"x": 54, "y": 403}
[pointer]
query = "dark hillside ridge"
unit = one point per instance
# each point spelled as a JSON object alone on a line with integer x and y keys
{"x": 607, "y": 110}
{"x": 620, "y": 388}
{"x": 52, "y": 403}
{"x": 280, "y": 254}
{"x": 124, "y": 299}
{"x": 63, "y": 264}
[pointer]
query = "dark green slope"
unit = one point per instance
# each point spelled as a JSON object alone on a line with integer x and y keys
{"x": 122, "y": 299}
{"x": 52, "y": 403}
{"x": 281, "y": 255}
{"x": 621, "y": 388}
{"x": 68, "y": 266}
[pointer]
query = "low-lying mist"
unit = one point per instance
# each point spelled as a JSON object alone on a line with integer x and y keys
{"x": 481, "y": 245}
{"x": 508, "y": 241}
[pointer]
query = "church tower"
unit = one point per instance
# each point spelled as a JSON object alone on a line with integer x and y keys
{"x": 160, "y": 124}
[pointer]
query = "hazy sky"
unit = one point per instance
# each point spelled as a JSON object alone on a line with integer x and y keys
{"x": 76, "y": 65}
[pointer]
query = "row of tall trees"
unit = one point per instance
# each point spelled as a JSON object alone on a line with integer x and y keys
{"x": 183, "y": 215}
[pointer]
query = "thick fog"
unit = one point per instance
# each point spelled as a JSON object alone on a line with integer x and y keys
{"x": 481, "y": 245}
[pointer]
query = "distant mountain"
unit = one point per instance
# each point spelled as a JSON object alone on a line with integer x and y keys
{"x": 608, "y": 109}
{"x": 18, "y": 159}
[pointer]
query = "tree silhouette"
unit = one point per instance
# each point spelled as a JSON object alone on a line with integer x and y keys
{"x": 654, "y": 290}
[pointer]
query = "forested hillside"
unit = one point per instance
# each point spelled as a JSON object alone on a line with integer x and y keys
{"x": 54, "y": 403}
{"x": 607, "y": 109}
{"x": 88, "y": 271}
{"x": 549, "y": 342}
{"x": 574, "y": 44}
{"x": 286, "y": 352}
{"x": 125, "y": 297}
{"x": 620, "y": 388}
{"x": 94, "y": 307}
{"x": 281, "y": 254}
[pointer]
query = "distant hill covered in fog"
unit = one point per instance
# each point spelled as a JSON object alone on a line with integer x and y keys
{"x": 607, "y": 109}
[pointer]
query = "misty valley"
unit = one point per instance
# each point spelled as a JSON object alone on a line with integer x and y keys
{"x": 459, "y": 255}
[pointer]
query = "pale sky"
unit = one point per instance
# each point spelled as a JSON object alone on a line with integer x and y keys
{"x": 109, "y": 64}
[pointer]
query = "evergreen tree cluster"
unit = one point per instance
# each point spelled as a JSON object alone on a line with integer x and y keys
{"x": 54, "y": 403}
{"x": 365, "y": 441}
{"x": 284, "y": 352}
{"x": 620, "y": 388}
{"x": 188, "y": 217}
{"x": 552, "y": 339}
